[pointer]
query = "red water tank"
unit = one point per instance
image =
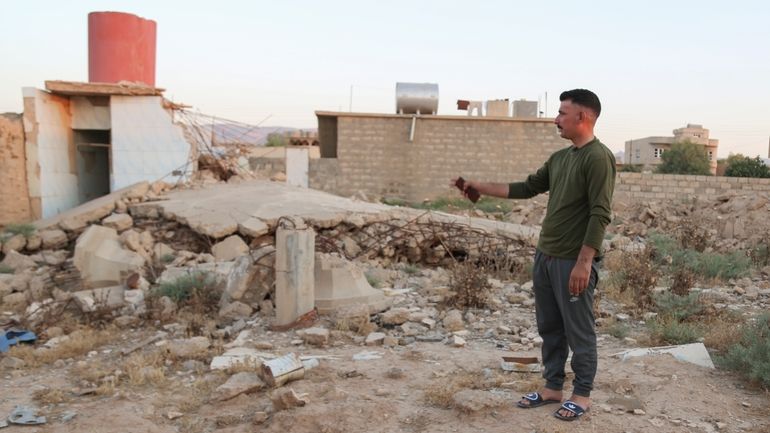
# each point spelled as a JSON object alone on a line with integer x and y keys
{"x": 121, "y": 47}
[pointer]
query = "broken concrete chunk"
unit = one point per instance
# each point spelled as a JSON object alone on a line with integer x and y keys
{"x": 34, "y": 242}
{"x": 237, "y": 384}
{"x": 239, "y": 356}
{"x": 53, "y": 239}
{"x": 162, "y": 252}
{"x": 14, "y": 243}
{"x": 230, "y": 249}
{"x": 118, "y": 222}
{"x": 17, "y": 262}
{"x": 694, "y": 353}
{"x": 395, "y": 316}
{"x": 235, "y": 310}
{"x": 238, "y": 280}
{"x": 189, "y": 348}
{"x": 341, "y": 284}
{"x": 453, "y": 321}
{"x": 104, "y": 297}
{"x": 101, "y": 260}
{"x": 132, "y": 240}
{"x": 286, "y": 398}
{"x": 253, "y": 227}
{"x": 315, "y": 336}
{"x": 375, "y": 339}
{"x": 279, "y": 371}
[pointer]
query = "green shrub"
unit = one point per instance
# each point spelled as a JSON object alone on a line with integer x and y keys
{"x": 25, "y": 229}
{"x": 619, "y": 330}
{"x": 679, "y": 308}
{"x": 670, "y": 331}
{"x": 631, "y": 168}
{"x": 685, "y": 157}
{"x": 751, "y": 355}
{"x": 744, "y": 166}
{"x": 668, "y": 252}
{"x": 195, "y": 285}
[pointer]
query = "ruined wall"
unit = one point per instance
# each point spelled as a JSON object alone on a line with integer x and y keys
{"x": 14, "y": 192}
{"x": 650, "y": 186}
{"x": 323, "y": 172}
{"x": 376, "y": 157}
{"x": 50, "y": 151}
{"x": 146, "y": 144}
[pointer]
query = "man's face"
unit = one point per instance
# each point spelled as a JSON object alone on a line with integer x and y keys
{"x": 568, "y": 120}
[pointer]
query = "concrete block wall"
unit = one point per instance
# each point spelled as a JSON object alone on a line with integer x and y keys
{"x": 651, "y": 186}
{"x": 14, "y": 192}
{"x": 375, "y": 155}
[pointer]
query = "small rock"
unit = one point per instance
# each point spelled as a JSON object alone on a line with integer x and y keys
{"x": 235, "y": 310}
{"x": 381, "y": 392}
{"x": 17, "y": 262}
{"x": 14, "y": 243}
{"x": 189, "y": 348}
{"x": 34, "y": 242}
{"x": 472, "y": 400}
{"x": 259, "y": 418}
{"x": 453, "y": 321}
{"x": 458, "y": 341}
{"x": 375, "y": 339}
{"x": 173, "y": 414}
{"x": 395, "y": 316}
{"x": 639, "y": 412}
{"x": 286, "y": 398}
{"x": 53, "y": 239}
{"x": 229, "y": 249}
{"x": 263, "y": 345}
{"x": 237, "y": 384}
{"x": 12, "y": 363}
{"x": 745, "y": 404}
{"x": 390, "y": 341}
{"x": 316, "y": 336}
{"x": 119, "y": 222}
{"x": 622, "y": 317}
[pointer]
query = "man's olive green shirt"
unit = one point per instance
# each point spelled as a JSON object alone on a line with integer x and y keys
{"x": 581, "y": 182}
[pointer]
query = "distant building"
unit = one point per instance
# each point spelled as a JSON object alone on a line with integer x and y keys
{"x": 647, "y": 151}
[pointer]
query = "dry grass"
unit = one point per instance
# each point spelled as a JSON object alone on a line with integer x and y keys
{"x": 470, "y": 285}
{"x": 80, "y": 343}
{"x": 439, "y": 393}
{"x": 358, "y": 322}
{"x": 92, "y": 372}
{"x": 146, "y": 369}
{"x": 633, "y": 275}
{"x": 723, "y": 329}
{"x": 50, "y": 396}
{"x": 190, "y": 398}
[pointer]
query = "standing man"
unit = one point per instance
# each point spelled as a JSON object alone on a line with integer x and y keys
{"x": 580, "y": 180}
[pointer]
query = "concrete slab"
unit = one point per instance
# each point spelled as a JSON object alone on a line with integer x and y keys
{"x": 94, "y": 210}
{"x": 222, "y": 209}
{"x": 694, "y": 353}
{"x": 340, "y": 283}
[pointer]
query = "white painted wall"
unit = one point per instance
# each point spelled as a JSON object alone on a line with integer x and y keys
{"x": 51, "y": 169}
{"x": 90, "y": 113}
{"x": 146, "y": 144}
{"x": 297, "y": 162}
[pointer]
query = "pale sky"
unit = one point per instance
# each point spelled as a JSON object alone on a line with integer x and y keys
{"x": 656, "y": 65}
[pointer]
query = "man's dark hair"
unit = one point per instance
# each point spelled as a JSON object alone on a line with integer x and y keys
{"x": 583, "y": 97}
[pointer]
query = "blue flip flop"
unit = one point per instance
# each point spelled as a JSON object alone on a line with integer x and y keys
{"x": 535, "y": 400}
{"x": 570, "y": 406}
{"x": 10, "y": 338}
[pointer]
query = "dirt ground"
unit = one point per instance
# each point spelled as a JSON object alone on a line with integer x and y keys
{"x": 403, "y": 390}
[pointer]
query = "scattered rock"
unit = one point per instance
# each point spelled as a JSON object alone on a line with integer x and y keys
{"x": 235, "y": 310}
{"x": 395, "y": 316}
{"x": 12, "y": 363}
{"x": 118, "y": 222}
{"x": 53, "y": 239}
{"x": 286, "y": 398}
{"x": 229, "y": 249}
{"x": 189, "y": 348}
{"x": 453, "y": 321}
{"x": 14, "y": 243}
{"x": 17, "y": 261}
{"x": 315, "y": 336}
{"x": 473, "y": 400}
{"x": 237, "y": 384}
{"x": 375, "y": 339}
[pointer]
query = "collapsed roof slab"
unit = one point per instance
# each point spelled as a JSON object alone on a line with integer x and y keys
{"x": 74, "y": 88}
{"x": 220, "y": 210}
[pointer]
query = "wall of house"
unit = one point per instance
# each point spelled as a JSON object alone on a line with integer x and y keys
{"x": 375, "y": 155}
{"x": 50, "y": 152}
{"x": 14, "y": 192}
{"x": 647, "y": 186}
{"x": 146, "y": 144}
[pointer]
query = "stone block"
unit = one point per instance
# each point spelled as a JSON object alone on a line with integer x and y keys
{"x": 17, "y": 262}
{"x": 118, "y": 222}
{"x": 315, "y": 336}
{"x": 53, "y": 239}
{"x": 235, "y": 310}
{"x": 101, "y": 259}
{"x": 237, "y": 384}
{"x": 189, "y": 348}
{"x": 104, "y": 297}
{"x": 340, "y": 283}
{"x": 14, "y": 243}
{"x": 229, "y": 249}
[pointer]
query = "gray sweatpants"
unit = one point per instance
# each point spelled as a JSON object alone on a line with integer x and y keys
{"x": 565, "y": 325}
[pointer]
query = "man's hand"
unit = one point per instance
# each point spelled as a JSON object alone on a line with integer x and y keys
{"x": 578, "y": 278}
{"x": 581, "y": 273}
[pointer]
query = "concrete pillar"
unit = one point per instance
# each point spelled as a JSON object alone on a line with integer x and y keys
{"x": 297, "y": 166}
{"x": 294, "y": 271}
